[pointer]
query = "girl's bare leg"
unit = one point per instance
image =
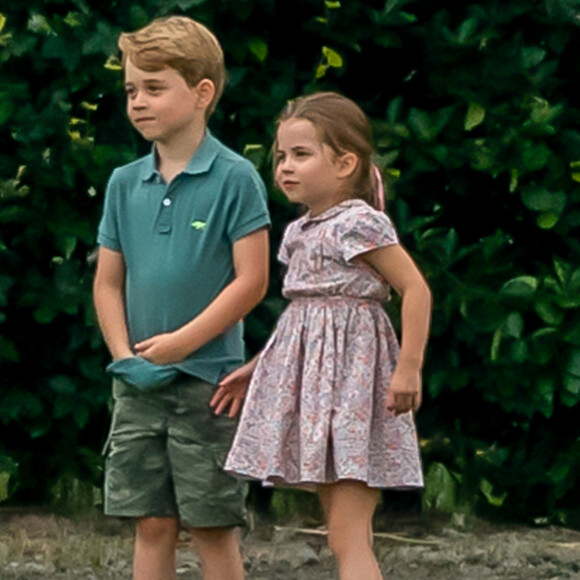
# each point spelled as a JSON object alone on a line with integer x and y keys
{"x": 349, "y": 507}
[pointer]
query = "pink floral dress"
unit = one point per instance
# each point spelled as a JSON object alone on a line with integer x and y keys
{"x": 316, "y": 411}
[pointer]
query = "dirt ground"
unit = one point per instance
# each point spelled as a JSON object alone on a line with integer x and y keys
{"x": 35, "y": 545}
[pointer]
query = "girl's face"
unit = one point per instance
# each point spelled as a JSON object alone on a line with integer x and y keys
{"x": 307, "y": 170}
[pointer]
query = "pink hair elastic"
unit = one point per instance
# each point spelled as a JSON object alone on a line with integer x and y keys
{"x": 380, "y": 190}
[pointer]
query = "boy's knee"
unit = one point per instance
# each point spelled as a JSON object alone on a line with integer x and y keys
{"x": 215, "y": 537}
{"x": 157, "y": 529}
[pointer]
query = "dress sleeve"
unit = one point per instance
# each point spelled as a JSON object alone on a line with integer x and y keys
{"x": 284, "y": 249}
{"x": 365, "y": 230}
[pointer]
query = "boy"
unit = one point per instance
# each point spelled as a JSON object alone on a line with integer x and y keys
{"x": 182, "y": 259}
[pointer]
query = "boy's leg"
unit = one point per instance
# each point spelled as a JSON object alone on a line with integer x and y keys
{"x": 155, "y": 545}
{"x": 219, "y": 553}
{"x": 138, "y": 482}
{"x": 211, "y": 503}
{"x": 349, "y": 507}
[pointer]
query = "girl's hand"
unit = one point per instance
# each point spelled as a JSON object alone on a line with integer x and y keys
{"x": 161, "y": 349}
{"x": 232, "y": 390}
{"x": 404, "y": 391}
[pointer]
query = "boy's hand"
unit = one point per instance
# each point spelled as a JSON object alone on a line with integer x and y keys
{"x": 404, "y": 391}
{"x": 232, "y": 391}
{"x": 161, "y": 349}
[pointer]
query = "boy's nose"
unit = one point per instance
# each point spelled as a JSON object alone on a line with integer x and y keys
{"x": 137, "y": 101}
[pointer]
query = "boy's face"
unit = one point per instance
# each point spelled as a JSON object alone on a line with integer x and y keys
{"x": 161, "y": 105}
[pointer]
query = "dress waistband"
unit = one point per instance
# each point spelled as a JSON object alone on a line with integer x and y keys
{"x": 359, "y": 299}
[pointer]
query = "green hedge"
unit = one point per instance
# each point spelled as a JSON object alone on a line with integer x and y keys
{"x": 478, "y": 127}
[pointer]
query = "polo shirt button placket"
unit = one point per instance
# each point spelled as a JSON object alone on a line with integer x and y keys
{"x": 165, "y": 221}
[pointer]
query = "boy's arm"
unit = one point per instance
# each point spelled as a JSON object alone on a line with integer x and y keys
{"x": 109, "y": 299}
{"x": 251, "y": 258}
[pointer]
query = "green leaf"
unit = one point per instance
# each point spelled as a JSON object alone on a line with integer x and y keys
{"x": 514, "y": 178}
{"x": 258, "y": 48}
{"x": 545, "y": 387}
{"x": 39, "y": 24}
{"x": 44, "y": 315}
{"x": 81, "y": 415}
{"x": 575, "y": 167}
{"x": 519, "y": 351}
{"x": 427, "y": 125}
{"x": 474, "y": 117}
{"x": 535, "y": 156}
{"x": 513, "y": 325}
{"x": 466, "y": 29}
{"x": 547, "y": 221}
{"x": 487, "y": 489}
{"x": 440, "y": 489}
{"x": 8, "y": 350}
{"x": 520, "y": 287}
{"x": 549, "y": 312}
{"x": 63, "y": 384}
{"x": 572, "y": 386}
{"x": 573, "y": 366}
{"x": 541, "y": 199}
{"x": 6, "y": 107}
{"x": 256, "y": 153}
{"x": 331, "y": 57}
{"x": 532, "y": 56}
{"x": 495, "y": 345}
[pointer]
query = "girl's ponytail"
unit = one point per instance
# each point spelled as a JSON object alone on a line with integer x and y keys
{"x": 379, "y": 197}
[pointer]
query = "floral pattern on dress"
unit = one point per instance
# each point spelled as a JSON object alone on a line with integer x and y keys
{"x": 316, "y": 411}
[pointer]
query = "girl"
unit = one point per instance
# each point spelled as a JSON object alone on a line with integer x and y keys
{"x": 330, "y": 394}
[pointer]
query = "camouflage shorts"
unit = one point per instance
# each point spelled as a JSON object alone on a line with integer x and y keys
{"x": 164, "y": 457}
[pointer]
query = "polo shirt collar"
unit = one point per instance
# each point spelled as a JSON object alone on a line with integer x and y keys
{"x": 200, "y": 162}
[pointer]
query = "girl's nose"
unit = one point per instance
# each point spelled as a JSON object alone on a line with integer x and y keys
{"x": 286, "y": 165}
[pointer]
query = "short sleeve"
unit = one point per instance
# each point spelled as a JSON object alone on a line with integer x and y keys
{"x": 108, "y": 232}
{"x": 364, "y": 230}
{"x": 248, "y": 207}
{"x": 284, "y": 249}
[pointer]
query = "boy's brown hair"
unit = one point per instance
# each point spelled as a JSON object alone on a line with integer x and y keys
{"x": 344, "y": 127}
{"x": 180, "y": 43}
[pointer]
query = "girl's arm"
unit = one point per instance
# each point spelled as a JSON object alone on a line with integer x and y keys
{"x": 395, "y": 265}
{"x": 109, "y": 299}
{"x": 232, "y": 389}
{"x": 250, "y": 256}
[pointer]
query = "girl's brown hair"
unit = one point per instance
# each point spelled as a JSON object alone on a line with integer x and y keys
{"x": 180, "y": 43}
{"x": 344, "y": 127}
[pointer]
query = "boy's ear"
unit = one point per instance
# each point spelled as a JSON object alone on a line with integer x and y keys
{"x": 347, "y": 164}
{"x": 205, "y": 91}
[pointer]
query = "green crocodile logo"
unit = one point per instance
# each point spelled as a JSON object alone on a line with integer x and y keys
{"x": 198, "y": 225}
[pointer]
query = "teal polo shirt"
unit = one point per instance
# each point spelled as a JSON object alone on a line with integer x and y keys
{"x": 177, "y": 241}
